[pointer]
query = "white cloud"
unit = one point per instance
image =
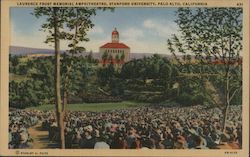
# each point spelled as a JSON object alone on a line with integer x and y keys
{"x": 146, "y": 46}
{"x": 137, "y": 41}
{"x": 148, "y": 24}
{"x": 132, "y": 34}
{"x": 162, "y": 28}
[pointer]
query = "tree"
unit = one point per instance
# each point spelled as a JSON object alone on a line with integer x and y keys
{"x": 212, "y": 34}
{"x": 105, "y": 74}
{"x": 26, "y": 93}
{"x": 43, "y": 71}
{"x": 105, "y": 57}
{"x": 90, "y": 56}
{"x": 165, "y": 74}
{"x": 110, "y": 59}
{"x": 117, "y": 59}
{"x": 14, "y": 59}
{"x": 122, "y": 57}
{"x": 78, "y": 23}
{"x": 59, "y": 20}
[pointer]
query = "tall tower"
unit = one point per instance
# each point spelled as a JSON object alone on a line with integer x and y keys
{"x": 118, "y": 50}
{"x": 115, "y": 36}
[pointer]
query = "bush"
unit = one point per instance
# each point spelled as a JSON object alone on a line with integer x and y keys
{"x": 185, "y": 99}
{"x": 169, "y": 103}
{"x": 199, "y": 99}
{"x": 155, "y": 98}
{"x": 101, "y": 99}
{"x": 26, "y": 93}
{"x": 142, "y": 97}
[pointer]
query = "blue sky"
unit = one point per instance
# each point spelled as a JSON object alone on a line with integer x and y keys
{"x": 142, "y": 29}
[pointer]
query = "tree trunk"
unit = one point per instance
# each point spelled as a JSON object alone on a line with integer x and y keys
{"x": 227, "y": 92}
{"x": 65, "y": 99}
{"x": 59, "y": 111}
{"x": 227, "y": 102}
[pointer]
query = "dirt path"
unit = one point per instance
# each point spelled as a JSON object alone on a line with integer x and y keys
{"x": 40, "y": 138}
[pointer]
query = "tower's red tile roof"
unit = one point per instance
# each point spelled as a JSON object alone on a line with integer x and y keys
{"x": 115, "y": 32}
{"x": 114, "y": 45}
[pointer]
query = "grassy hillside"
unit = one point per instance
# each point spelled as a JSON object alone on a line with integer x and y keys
{"x": 18, "y": 78}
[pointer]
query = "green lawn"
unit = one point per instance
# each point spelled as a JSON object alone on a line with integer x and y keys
{"x": 95, "y": 107}
{"x": 17, "y": 78}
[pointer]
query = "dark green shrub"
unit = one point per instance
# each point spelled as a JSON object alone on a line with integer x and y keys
{"x": 185, "y": 99}
{"x": 199, "y": 99}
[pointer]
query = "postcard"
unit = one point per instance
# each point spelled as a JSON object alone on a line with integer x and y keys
{"x": 124, "y": 78}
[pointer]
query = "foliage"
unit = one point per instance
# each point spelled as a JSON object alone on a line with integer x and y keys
{"x": 26, "y": 93}
{"x": 87, "y": 77}
{"x": 205, "y": 37}
{"x": 37, "y": 87}
{"x": 213, "y": 36}
{"x": 185, "y": 99}
{"x": 65, "y": 23}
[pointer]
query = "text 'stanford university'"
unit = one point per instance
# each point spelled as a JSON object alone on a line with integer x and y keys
{"x": 115, "y": 48}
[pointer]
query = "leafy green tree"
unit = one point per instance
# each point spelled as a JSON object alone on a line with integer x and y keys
{"x": 22, "y": 69}
{"x": 105, "y": 74}
{"x": 58, "y": 21}
{"x": 166, "y": 75}
{"x": 14, "y": 60}
{"x": 75, "y": 81}
{"x": 104, "y": 57}
{"x": 90, "y": 57}
{"x": 110, "y": 59}
{"x": 55, "y": 21}
{"x": 26, "y": 93}
{"x": 122, "y": 57}
{"x": 117, "y": 59}
{"x": 212, "y": 34}
{"x": 43, "y": 71}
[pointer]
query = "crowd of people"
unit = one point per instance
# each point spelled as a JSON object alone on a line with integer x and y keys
{"x": 137, "y": 128}
{"x": 19, "y": 122}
